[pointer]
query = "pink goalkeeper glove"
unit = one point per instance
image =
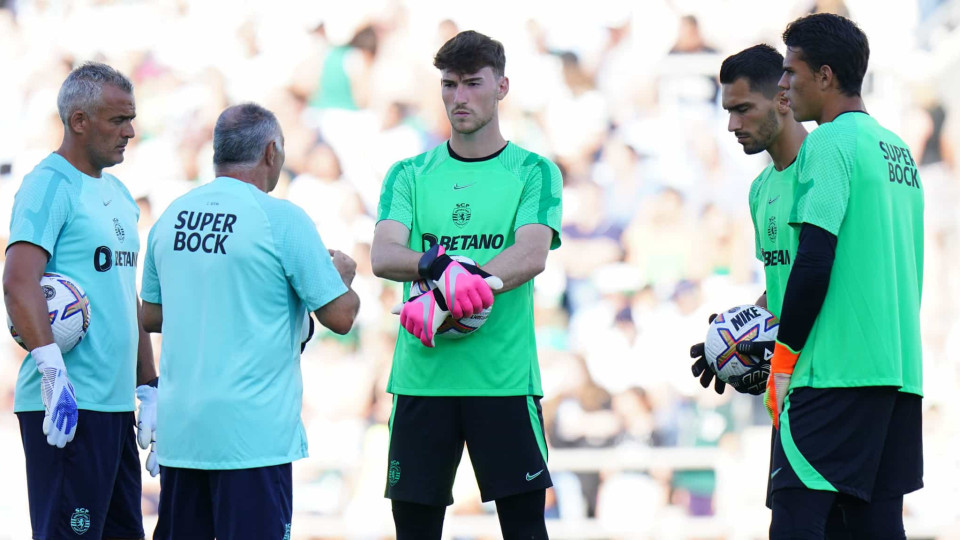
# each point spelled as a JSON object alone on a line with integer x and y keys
{"x": 422, "y": 315}
{"x": 464, "y": 292}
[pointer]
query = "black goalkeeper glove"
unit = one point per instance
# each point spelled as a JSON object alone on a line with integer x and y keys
{"x": 306, "y": 331}
{"x": 761, "y": 350}
{"x": 755, "y": 381}
{"x": 702, "y": 369}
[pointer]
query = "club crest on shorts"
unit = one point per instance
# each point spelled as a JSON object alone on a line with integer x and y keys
{"x": 117, "y": 228}
{"x": 286, "y": 532}
{"x": 461, "y": 214}
{"x": 772, "y": 229}
{"x": 80, "y": 520}
{"x": 393, "y": 475}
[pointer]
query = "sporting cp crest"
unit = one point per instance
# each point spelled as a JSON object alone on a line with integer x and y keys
{"x": 80, "y": 520}
{"x": 118, "y": 229}
{"x": 461, "y": 214}
{"x": 772, "y": 229}
{"x": 393, "y": 475}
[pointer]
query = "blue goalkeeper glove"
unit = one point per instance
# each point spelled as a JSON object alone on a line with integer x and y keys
{"x": 147, "y": 423}
{"x": 466, "y": 293}
{"x": 422, "y": 315}
{"x": 59, "y": 398}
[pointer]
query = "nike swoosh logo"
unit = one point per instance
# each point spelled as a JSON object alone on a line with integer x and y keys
{"x": 775, "y": 472}
{"x": 534, "y": 475}
{"x": 773, "y": 200}
{"x": 458, "y": 186}
{"x": 107, "y": 203}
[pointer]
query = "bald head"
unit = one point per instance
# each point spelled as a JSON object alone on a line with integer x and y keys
{"x": 242, "y": 134}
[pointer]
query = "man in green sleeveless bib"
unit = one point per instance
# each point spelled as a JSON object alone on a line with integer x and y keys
{"x": 480, "y": 196}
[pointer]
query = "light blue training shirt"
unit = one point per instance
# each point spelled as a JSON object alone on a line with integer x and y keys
{"x": 235, "y": 271}
{"x": 88, "y": 227}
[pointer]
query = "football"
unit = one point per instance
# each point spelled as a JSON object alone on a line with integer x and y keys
{"x": 69, "y": 311}
{"x": 453, "y": 328}
{"x": 742, "y": 323}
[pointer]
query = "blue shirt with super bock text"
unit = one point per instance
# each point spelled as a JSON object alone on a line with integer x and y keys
{"x": 88, "y": 226}
{"x": 235, "y": 270}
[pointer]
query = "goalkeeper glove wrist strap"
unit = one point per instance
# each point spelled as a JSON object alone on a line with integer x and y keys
{"x": 784, "y": 359}
{"x": 438, "y": 296}
{"x": 48, "y": 357}
{"x": 432, "y": 263}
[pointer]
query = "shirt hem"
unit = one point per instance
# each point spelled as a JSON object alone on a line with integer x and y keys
{"x": 331, "y": 298}
{"x": 832, "y": 383}
{"x": 219, "y": 466}
{"x": 80, "y": 405}
{"x": 475, "y": 392}
{"x": 32, "y": 241}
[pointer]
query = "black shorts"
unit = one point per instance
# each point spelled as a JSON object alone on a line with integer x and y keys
{"x": 90, "y": 488}
{"x": 504, "y": 436}
{"x": 865, "y": 442}
{"x": 236, "y": 504}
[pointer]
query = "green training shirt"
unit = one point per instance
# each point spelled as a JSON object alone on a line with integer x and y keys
{"x": 859, "y": 181}
{"x": 473, "y": 208}
{"x": 771, "y": 199}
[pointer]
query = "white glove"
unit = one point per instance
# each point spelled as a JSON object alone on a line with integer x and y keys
{"x": 152, "y": 466}
{"x": 147, "y": 425}
{"x": 59, "y": 398}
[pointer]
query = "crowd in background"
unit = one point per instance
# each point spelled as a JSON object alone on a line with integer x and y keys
{"x": 656, "y": 228}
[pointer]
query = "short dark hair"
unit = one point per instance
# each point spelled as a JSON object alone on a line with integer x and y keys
{"x": 761, "y": 65}
{"x": 469, "y": 52}
{"x": 825, "y": 39}
{"x": 241, "y": 134}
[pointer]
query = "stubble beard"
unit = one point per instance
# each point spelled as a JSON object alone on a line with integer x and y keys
{"x": 766, "y": 134}
{"x": 472, "y": 128}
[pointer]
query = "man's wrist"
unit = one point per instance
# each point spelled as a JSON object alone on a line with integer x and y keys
{"x": 428, "y": 262}
{"x": 784, "y": 359}
{"x": 48, "y": 357}
{"x": 147, "y": 392}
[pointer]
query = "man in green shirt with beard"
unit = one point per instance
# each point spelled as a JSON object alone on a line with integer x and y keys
{"x": 761, "y": 121}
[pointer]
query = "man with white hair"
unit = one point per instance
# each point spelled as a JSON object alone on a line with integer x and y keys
{"x": 229, "y": 275}
{"x": 70, "y": 217}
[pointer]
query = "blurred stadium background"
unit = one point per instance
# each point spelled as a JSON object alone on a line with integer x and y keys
{"x": 623, "y": 96}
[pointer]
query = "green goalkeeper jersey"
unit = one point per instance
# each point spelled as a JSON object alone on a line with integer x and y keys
{"x": 473, "y": 208}
{"x": 859, "y": 181}
{"x": 771, "y": 199}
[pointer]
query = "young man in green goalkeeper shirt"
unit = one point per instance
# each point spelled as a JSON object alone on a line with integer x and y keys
{"x": 845, "y": 381}
{"x": 480, "y": 196}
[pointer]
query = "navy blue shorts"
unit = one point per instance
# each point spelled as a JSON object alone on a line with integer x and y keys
{"x": 91, "y": 487}
{"x": 233, "y": 504}
{"x": 864, "y": 442}
{"x": 504, "y": 436}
